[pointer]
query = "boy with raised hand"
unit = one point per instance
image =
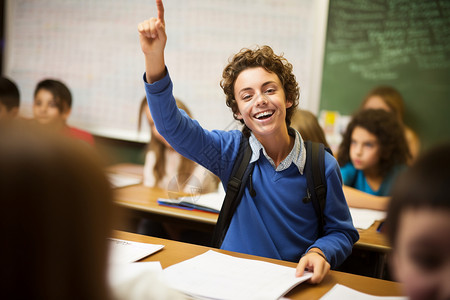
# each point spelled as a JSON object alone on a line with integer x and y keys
{"x": 261, "y": 90}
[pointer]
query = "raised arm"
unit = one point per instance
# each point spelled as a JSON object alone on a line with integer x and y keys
{"x": 152, "y": 36}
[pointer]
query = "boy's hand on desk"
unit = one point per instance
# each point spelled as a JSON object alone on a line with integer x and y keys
{"x": 313, "y": 262}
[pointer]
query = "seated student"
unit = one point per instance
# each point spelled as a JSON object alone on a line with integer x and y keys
{"x": 418, "y": 226}
{"x": 9, "y": 99}
{"x": 262, "y": 92}
{"x": 55, "y": 218}
{"x": 372, "y": 153}
{"x": 389, "y": 99}
{"x": 167, "y": 169}
{"x": 307, "y": 124}
{"x": 52, "y": 106}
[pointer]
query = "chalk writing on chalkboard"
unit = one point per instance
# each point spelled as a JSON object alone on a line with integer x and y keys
{"x": 377, "y": 39}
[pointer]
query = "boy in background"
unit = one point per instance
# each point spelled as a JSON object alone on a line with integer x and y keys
{"x": 9, "y": 99}
{"x": 418, "y": 226}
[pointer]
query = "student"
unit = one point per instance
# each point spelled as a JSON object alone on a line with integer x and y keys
{"x": 9, "y": 99}
{"x": 389, "y": 99}
{"x": 372, "y": 153}
{"x": 55, "y": 219}
{"x": 275, "y": 222}
{"x": 418, "y": 226}
{"x": 167, "y": 169}
{"x": 52, "y": 106}
{"x": 307, "y": 124}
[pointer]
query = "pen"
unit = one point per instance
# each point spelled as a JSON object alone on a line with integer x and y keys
{"x": 380, "y": 227}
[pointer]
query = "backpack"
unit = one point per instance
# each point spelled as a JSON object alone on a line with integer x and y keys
{"x": 316, "y": 186}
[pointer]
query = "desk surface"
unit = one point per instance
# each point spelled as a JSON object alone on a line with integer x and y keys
{"x": 175, "y": 252}
{"x": 144, "y": 199}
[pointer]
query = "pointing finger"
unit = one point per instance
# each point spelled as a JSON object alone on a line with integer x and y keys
{"x": 160, "y": 8}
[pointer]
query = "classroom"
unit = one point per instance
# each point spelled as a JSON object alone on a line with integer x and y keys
{"x": 91, "y": 56}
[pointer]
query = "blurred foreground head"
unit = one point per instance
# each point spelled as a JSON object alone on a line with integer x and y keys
{"x": 418, "y": 226}
{"x": 55, "y": 216}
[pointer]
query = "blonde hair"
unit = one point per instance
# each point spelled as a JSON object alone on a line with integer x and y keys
{"x": 306, "y": 123}
{"x": 391, "y": 97}
{"x": 186, "y": 166}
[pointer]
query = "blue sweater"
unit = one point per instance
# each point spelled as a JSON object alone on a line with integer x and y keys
{"x": 275, "y": 223}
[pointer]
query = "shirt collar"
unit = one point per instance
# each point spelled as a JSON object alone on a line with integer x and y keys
{"x": 296, "y": 156}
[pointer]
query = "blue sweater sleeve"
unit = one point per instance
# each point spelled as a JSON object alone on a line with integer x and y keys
{"x": 215, "y": 150}
{"x": 339, "y": 232}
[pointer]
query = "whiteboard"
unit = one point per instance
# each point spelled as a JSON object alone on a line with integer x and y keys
{"x": 93, "y": 47}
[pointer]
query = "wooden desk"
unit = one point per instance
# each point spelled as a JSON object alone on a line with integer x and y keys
{"x": 175, "y": 252}
{"x": 371, "y": 239}
{"x": 127, "y": 168}
{"x": 141, "y": 199}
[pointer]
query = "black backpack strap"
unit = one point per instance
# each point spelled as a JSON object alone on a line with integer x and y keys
{"x": 316, "y": 181}
{"x": 235, "y": 190}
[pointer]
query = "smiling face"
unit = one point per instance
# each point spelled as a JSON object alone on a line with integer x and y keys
{"x": 261, "y": 101}
{"x": 46, "y": 111}
{"x": 421, "y": 259}
{"x": 364, "y": 149}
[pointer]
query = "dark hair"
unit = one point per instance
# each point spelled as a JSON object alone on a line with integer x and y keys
{"x": 307, "y": 124}
{"x": 55, "y": 217}
{"x": 9, "y": 93}
{"x": 260, "y": 57}
{"x": 391, "y": 97}
{"x": 60, "y": 92}
{"x": 423, "y": 185}
{"x": 390, "y": 135}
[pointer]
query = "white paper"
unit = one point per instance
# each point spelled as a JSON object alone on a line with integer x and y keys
{"x": 220, "y": 276}
{"x": 121, "y": 273}
{"x": 364, "y": 218}
{"x": 339, "y": 292}
{"x": 140, "y": 281}
{"x": 122, "y": 251}
{"x": 122, "y": 180}
{"x": 211, "y": 201}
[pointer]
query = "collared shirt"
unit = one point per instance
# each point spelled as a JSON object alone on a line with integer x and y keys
{"x": 297, "y": 155}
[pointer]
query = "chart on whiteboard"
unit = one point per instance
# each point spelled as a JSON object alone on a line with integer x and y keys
{"x": 93, "y": 47}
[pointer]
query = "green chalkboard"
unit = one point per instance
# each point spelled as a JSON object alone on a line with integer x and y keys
{"x": 402, "y": 43}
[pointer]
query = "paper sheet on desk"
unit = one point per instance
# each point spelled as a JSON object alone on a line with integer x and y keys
{"x": 120, "y": 273}
{"x": 121, "y": 180}
{"x": 122, "y": 251}
{"x": 220, "y": 276}
{"x": 364, "y": 218}
{"x": 339, "y": 292}
{"x": 209, "y": 202}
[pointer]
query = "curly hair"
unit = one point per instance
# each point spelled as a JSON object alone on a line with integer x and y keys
{"x": 390, "y": 135}
{"x": 260, "y": 57}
